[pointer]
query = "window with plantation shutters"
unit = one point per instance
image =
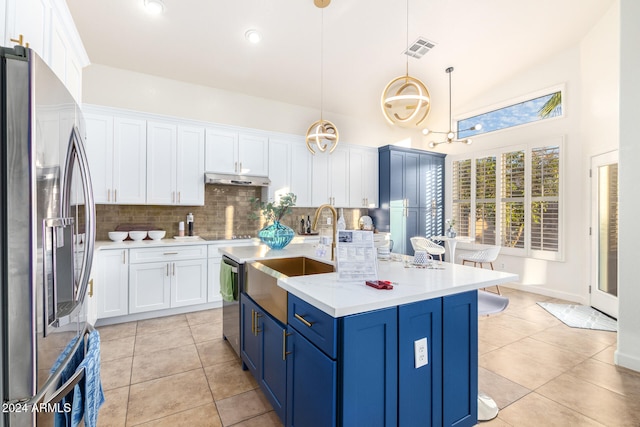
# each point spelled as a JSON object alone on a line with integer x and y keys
{"x": 485, "y": 218}
{"x": 512, "y": 200}
{"x": 511, "y": 197}
{"x": 545, "y": 198}
{"x": 461, "y": 196}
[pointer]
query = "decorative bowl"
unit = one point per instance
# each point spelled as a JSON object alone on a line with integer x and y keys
{"x": 137, "y": 235}
{"x": 117, "y": 236}
{"x": 157, "y": 234}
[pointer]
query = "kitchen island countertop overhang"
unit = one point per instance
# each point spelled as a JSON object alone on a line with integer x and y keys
{"x": 342, "y": 298}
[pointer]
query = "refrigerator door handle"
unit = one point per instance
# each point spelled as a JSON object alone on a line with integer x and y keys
{"x": 76, "y": 152}
{"x": 50, "y": 394}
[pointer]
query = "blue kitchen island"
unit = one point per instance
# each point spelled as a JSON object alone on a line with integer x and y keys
{"x": 344, "y": 353}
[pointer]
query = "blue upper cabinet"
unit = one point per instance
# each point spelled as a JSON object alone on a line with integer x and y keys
{"x": 411, "y": 186}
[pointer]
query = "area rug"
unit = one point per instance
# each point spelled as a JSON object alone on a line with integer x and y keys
{"x": 581, "y": 316}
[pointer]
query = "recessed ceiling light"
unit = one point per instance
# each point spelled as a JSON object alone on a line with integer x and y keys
{"x": 154, "y": 7}
{"x": 253, "y": 36}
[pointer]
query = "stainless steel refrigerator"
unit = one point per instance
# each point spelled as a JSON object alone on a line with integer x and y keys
{"x": 47, "y": 234}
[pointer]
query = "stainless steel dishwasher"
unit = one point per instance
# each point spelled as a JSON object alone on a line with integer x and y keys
{"x": 231, "y": 309}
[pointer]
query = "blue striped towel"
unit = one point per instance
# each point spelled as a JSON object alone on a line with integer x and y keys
{"x": 62, "y": 417}
{"x": 87, "y": 394}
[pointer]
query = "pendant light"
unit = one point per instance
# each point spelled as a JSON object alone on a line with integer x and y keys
{"x": 405, "y": 100}
{"x": 322, "y": 132}
{"x": 451, "y": 135}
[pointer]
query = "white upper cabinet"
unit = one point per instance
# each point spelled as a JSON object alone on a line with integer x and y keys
{"x": 162, "y": 141}
{"x": 279, "y": 168}
{"x": 129, "y": 161}
{"x": 363, "y": 178}
{"x": 116, "y": 148}
{"x": 331, "y": 178}
{"x": 301, "y": 173}
{"x": 190, "y": 165}
{"x": 290, "y": 169}
{"x": 233, "y": 152}
{"x": 47, "y": 27}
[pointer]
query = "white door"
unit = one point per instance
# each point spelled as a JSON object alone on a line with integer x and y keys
{"x": 99, "y": 143}
{"x": 604, "y": 233}
{"x": 111, "y": 283}
{"x": 188, "y": 282}
{"x": 320, "y": 183}
{"x": 356, "y": 175}
{"x": 339, "y": 177}
{"x": 190, "y": 166}
{"x": 149, "y": 286}
{"x": 279, "y": 169}
{"x": 221, "y": 151}
{"x": 301, "y": 168}
{"x": 129, "y": 161}
{"x": 253, "y": 155}
{"x": 161, "y": 164}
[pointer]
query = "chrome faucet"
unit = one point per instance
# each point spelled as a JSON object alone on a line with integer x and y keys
{"x": 334, "y": 224}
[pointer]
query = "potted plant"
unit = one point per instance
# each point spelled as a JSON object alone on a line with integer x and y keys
{"x": 275, "y": 234}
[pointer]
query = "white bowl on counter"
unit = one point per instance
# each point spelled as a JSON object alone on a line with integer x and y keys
{"x": 136, "y": 236}
{"x": 117, "y": 236}
{"x": 157, "y": 234}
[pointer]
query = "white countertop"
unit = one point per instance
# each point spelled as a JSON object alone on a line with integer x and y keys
{"x": 338, "y": 299}
{"x": 130, "y": 244}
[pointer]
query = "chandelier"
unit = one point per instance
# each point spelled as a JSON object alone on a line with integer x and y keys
{"x": 405, "y": 100}
{"x": 322, "y": 132}
{"x": 451, "y": 135}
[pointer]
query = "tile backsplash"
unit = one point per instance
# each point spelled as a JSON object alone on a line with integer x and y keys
{"x": 226, "y": 213}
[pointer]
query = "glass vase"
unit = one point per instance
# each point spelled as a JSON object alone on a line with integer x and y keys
{"x": 276, "y": 235}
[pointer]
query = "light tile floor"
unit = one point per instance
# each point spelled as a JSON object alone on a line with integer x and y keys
{"x": 178, "y": 371}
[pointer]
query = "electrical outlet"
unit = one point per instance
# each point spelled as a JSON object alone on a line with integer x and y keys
{"x": 420, "y": 352}
{"x": 502, "y": 266}
{"x": 329, "y": 221}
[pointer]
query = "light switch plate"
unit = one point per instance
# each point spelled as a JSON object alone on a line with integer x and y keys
{"x": 421, "y": 352}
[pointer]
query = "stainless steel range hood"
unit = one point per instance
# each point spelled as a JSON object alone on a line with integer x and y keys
{"x": 224, "y": 179}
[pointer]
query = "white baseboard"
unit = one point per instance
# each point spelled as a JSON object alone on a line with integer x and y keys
{"x": 540, "y": 290}
{"x": 626, "y": 360}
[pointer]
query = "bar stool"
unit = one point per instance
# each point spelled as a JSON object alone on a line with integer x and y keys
{"x": 489, "y": 303}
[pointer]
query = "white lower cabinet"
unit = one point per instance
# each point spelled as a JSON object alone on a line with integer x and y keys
{"x": 111, "y": 283}
{"x": 167, "y": 277}
{"x": 214, "y": 279}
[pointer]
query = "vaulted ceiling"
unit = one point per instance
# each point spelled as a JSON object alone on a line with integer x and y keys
{"x": 203, "y": 42}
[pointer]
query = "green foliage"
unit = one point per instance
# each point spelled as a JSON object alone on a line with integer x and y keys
{"x": 272, "y": 211}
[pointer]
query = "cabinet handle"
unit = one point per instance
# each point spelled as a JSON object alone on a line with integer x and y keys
{"x": 20, "y": 41}
{"x": 178, "y": 197}
{"x": 109, "y": 195}
{"x": 173, "y": 197}
{"x": 167, "y": 270}
{"x": 303, "y": 320}
{"x": 284, "y": 344}
{"x": 174, "y": 269}
{"x": 91, "y": 287}
{"x": 253, "y": 322}
{"x": 170, "y": 253}
{"x": 240, "y": 168}
{"x": 235, "y": 167}
{"x": 258, "y": 315}
{"x": 124, "y": 257}
{"x": 115, "y": 196}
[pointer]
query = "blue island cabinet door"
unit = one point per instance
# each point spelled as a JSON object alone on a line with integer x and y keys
{"x": 369, "y": 369}
{"x": 311, "y": 384}
{"x": 420, "y": 389}
{"x": 273, "y": 380}
{"x": 250, "y": 337}
{"x": 460, "y": 359}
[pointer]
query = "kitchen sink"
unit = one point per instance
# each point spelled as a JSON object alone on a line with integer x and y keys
{"x": 262, "y": 281}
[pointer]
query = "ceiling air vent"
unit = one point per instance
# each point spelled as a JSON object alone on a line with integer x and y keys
{"x": 418, "y": 48}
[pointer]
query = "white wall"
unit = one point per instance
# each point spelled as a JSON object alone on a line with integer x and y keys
{"x": 628, "y": 353}
{"x": 125, "y": 89}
